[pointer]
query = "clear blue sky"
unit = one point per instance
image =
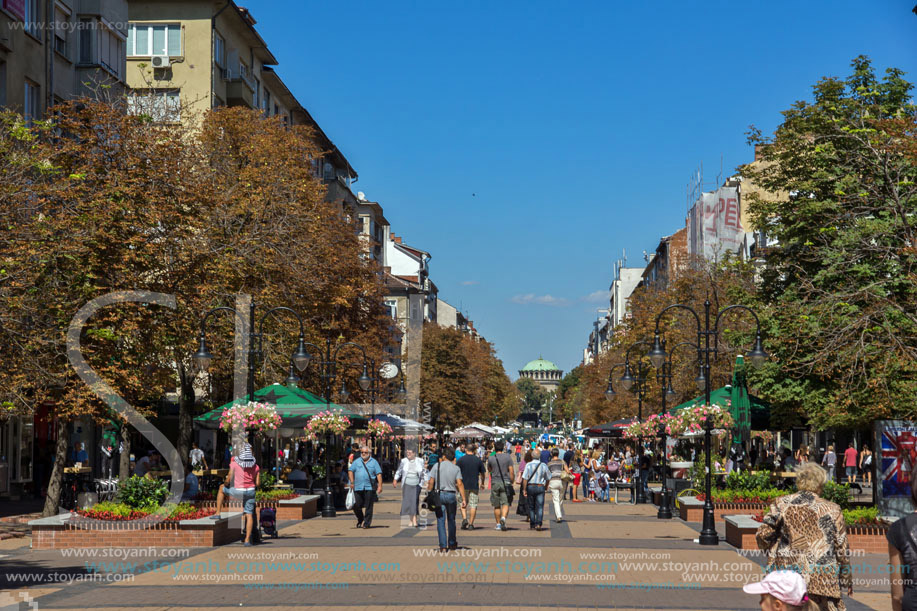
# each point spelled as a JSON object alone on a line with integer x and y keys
{"x": 525, "y": 144}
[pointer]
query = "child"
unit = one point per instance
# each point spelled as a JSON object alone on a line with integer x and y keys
{"x": 781, "y": 591}
{"x": 592, "y": 484}
{"x": 603, "y": 485}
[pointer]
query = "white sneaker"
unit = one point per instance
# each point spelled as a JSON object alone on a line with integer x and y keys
{"x": 497, "y": 527}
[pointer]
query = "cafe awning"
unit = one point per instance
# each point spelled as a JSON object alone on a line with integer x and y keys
{"x": 294, "y": 405}
{"x": 609, "y": 429}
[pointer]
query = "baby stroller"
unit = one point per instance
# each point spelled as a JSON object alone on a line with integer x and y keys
{"x": 269, "y": 521}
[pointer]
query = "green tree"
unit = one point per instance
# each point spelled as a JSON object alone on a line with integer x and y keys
{"x": 841, "y": 286}
{"x": 568, "y": 399}
{"x": 535, "y": 399}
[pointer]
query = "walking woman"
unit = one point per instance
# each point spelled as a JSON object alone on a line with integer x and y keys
{"x": 577, "y": 469}
{"x": 829, "y": 462}
{"x": 866, "y": 464}
{"x": 556, "y": 485}
{"x": 410, "y": 472}
{"x": 522, "y": 506}
{"x": 806, "y": 533}
{"x": 802, "y": 455}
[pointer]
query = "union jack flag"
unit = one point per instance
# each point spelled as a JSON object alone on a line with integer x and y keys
{"x": 899, "y": 455}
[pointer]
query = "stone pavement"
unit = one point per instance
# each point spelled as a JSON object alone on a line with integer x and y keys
{"x": 604, "y": 556}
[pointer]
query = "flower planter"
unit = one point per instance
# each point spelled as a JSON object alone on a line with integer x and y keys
{"x": 867, "y": 538}
{"x": 690, "y": 509}
{"x": 69, "y": 531}
{"x": 300, "y": 507}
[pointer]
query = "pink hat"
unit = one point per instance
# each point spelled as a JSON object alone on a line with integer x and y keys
{"x": 787, "y": 586}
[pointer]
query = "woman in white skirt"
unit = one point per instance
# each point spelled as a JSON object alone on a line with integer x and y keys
{"x": 410, "y": 473}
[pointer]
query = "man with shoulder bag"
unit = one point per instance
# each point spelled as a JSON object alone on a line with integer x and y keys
{"x": 500, "y": 466}
{"x": 366, "y": 481}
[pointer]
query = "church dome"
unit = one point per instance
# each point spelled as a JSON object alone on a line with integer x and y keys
{"x": 540, "y": 364}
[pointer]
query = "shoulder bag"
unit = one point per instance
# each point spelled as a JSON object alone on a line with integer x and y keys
{"x": 510, "y": 491}
{"x": 432, "y": 499}
{"x": 371, "y": 483}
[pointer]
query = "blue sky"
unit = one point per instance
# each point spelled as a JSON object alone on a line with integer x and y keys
{"x": 526, "y": 144}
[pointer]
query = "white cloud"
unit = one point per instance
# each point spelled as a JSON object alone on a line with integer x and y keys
{"x": 548, "y": 300}
{"x": 597, "y": 297}
{"x": 470, "y": 282}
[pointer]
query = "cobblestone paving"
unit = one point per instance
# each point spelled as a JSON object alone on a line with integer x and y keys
{"x": 604, "y": 556}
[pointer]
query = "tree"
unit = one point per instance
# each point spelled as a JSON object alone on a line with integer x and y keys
{"x": 99, "y": 201}
{"x": 841, "y": 286}
{"x": 535, "y": 399}
{"x": 463, "y": 380}
{"x": 567, "y": 401}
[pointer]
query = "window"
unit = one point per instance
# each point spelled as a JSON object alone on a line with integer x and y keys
{"x": 86, "y": 32}
{"x": 145, "y": 40}
{"x": 276, "y": 110}
{"x": 32, "y": 17}
{"x": 329, "y": 171}
{"x": 219, "y": 51}
{"x": 111, "y": 49}
{"x": 163, "y": 105}
{"x": 392, "y": 306}
{"x": 266, "y": 103}
{"x": 61, "y": 27}
{"x": 32, "y": 103}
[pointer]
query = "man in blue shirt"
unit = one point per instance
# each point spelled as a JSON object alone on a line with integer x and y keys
{"x": 366, "y": 482}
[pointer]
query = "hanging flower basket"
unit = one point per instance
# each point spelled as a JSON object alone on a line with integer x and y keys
{"x": 322, "y": 423}
{"x": 380, "y": 429}
{"x": 258, "y": 417}
{"x": 765, "y": 436}
{"x": 648, "y": 428}
{"x": 692, "y": 420}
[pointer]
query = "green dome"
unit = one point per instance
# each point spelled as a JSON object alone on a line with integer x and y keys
{"x": 540, "y": 364}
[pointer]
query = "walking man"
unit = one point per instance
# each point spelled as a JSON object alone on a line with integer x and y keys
{"x": 534, "y": 479}
{"x": 500, "y": 466}
{"x": 473, "y": 475}
{"x": 447, "y": 479}
{"x": 366, "y": 481}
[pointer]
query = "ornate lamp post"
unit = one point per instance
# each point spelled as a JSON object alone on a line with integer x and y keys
{"x": 634, "y": 380}
{"x": 705, "y": 337}
{"x": 328, "y": 364}
{"x": 202, "y": 358}
{"x": 664, "y": 376}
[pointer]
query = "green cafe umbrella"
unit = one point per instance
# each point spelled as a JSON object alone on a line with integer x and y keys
{"x": 758, "y": 411}
{"x": 294, "y": 405}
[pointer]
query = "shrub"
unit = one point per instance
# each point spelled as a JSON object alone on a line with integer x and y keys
{"x": 267, "y": 481}
{"x": 837, "y": 493}
{"x": 143, "y": 492}
{"x": 748, "y": 481}
{"x": 274, "y": 495}
{"x": 862, "y": 515}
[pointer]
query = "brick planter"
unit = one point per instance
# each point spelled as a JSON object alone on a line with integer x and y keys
{"x": 870, "y": 539}
{"x": 690, "y": 509}
{"x": 67, "y": 531}
{"x": 301, "y": 507}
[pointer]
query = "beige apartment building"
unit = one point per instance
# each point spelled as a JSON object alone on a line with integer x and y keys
{"x": 186, "y": 56}
{"x": 53, "y": 50}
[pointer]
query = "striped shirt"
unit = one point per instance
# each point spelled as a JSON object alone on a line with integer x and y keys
{"x": 536, "y": 472}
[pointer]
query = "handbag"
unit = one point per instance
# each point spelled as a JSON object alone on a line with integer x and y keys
{"x": 432, "y": 500}
{"x": 351, "y": 499}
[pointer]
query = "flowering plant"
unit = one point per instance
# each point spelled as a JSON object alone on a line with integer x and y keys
{"x": 765, "y": 436}
{"x": 693, "y": 419}
{"x": 379, "y": 428}
{"x": 259, "y": 417}
{"x": 322, "y": 423}
{"x": 648, "y": 428}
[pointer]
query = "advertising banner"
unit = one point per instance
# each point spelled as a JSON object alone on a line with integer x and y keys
{"x": 895, "y": 442}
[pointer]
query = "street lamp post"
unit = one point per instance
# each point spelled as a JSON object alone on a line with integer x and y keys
{"x": 634, "y": 380}
{"x": 376, "y": 388}
{"x": 664, "y": 376}
{"x": 328, "y": 372}
{"x": 705, "y": 334}
{"x": 202, "y": 358}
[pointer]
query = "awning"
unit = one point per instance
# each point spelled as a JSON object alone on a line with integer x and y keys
{"x": 758, "y": 410}
{"x": 609, "y": 429}
{"x": 404, "y": 426}
{"x": 294, "y": 405}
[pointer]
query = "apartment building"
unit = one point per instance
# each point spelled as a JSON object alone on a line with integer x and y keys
{"x": 55, "y": 50}
{"x": 406, "y": 271}
{"x": 185, "y": 57}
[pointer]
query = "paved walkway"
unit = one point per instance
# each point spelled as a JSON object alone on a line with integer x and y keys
{"x": 604, "y": 556}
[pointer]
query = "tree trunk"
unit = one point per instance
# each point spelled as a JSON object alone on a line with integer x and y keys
{"x": 124, "y": 459}
{"x": 52, "y": 499}
{"x": 185, "y": 406}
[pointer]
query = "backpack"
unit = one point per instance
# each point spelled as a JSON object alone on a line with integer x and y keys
{"x": 603, "y": 482}
{"x": 613, "y": 467}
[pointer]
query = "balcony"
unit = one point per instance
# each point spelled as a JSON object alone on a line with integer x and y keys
{"x": 240, "y": 90}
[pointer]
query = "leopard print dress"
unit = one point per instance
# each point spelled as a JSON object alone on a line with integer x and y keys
{"x": 807, "y": 534}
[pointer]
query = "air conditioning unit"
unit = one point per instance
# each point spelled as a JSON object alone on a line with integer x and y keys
{"x": 161, "y": 61}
